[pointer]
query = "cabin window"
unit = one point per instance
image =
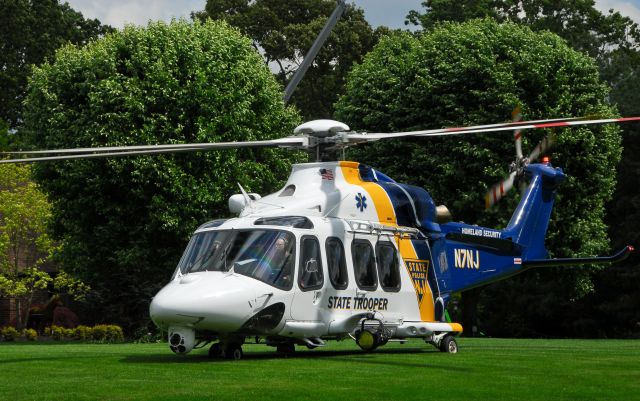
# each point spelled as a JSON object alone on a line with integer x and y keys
{"x": 337, "y": 263}
{"x": 364, "y": 265}
{"x": 388, "y": 268}
{"x": 310, "y": 276}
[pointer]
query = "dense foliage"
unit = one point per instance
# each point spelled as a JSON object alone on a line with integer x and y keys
{"x": 577, "y": 21}
{"x": 124, "y": 222}
{"x": 474, "y": 73}
{"x": 30, "y": 32}
{"x": 285, "y": 30}
{"x": 613, "y": 40}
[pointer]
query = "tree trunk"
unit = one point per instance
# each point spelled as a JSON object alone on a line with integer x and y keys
{"x": 469, "y": 304}
{"x": 19, "y": 325}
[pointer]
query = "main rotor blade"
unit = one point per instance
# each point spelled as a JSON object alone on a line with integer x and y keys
{"x": 315, "y": 48}
{"x": 524, "y": 125}
{"x": 121, "y": 151}
{"x": 516, "y": 116}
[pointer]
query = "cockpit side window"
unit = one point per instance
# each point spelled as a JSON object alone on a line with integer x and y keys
{"x": 388, "y": 268}
{"x": 337, "y": 263}
{"x": 310, "y": 275}
{"x": 364, "y": 265}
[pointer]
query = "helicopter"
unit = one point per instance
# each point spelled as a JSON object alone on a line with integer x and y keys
{"x": 342, "y": 250}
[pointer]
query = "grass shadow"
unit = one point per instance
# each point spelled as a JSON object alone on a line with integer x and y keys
{"x": 353, "y": 356}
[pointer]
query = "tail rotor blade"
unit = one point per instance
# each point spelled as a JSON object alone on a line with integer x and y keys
{"x": 499, "y": 190}
{"x": 543, "y": 146}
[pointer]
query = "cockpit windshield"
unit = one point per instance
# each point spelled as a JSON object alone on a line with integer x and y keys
{"x": 266, "y": 255}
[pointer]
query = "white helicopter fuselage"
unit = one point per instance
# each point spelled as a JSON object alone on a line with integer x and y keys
{"x": 348, "y": 260}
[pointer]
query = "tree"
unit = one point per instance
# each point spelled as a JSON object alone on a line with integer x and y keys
{"x": 124, "y": 222}
{"x": 25, "y": 245}
{"x": 612, "y": 40}
{"x": 285, "y": 31}
{"x": 451, "y": 10}
{"x": 578, "y": 22}
{"x": 474, "y": 73}
{"x": 30, "y": 32}
{"x": 4, "y": 136}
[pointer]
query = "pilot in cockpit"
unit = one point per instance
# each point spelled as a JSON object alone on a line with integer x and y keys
{"x": 283, "y": 261}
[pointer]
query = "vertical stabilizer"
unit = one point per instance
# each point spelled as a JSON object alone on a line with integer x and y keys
{"x": 530, "y": 220}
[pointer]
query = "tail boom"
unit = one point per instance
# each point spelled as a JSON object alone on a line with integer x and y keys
{"x": 475, "y": 256}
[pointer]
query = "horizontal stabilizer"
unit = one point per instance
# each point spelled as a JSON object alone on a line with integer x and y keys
{"x": 618, "y": 257}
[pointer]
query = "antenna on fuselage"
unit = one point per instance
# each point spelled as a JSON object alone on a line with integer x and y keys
{"x": 247, "y": 199}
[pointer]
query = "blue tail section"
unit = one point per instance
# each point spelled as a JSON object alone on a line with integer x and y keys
{"x": 529, "y": 223}
{"x": 467, "y": 256}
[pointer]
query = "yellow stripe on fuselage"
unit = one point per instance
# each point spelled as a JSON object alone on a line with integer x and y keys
{"x": 421, "y": 286}
{"x": 386, "y": 215}
{"x": 384, "y": 207}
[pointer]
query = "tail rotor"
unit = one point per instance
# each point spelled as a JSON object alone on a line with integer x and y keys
{"x": 516, "y": 169}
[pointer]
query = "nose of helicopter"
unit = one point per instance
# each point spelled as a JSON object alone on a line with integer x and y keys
{"x": 206, "y": 301}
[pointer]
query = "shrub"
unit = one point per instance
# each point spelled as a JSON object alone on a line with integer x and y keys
{"x": 99, "y": 332}
{"x": 9, "y": 333}
{"x": 107, "y": 333}
{"x": 83, "y": 332}
{"x": 114, "y": 333}
{"x": 58, "y": 333}
{"x": 31, "y": 334}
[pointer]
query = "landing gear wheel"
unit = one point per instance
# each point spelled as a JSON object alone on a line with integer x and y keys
{"x": 366, "y": 340}
{"x": 449, "y": 345}
{"x": 234, "y": 352}
{"x": 215, "y": 351}
{"x": 286, "y": 348}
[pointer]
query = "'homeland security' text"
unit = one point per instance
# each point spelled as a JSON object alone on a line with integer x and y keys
{"x": 480, "y": 232}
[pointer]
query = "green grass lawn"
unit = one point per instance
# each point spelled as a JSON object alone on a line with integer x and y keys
{"x": 484, "y": 369}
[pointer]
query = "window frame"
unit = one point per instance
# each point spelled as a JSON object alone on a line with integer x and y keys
{"x": 342, "y": 268}
{"x": 396, "y": 266}
{"x": 353, "y": 260}
{"x": 301, "y": 264}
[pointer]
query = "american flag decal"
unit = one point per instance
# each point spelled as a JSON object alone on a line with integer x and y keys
{"x": 326, "y": 174}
